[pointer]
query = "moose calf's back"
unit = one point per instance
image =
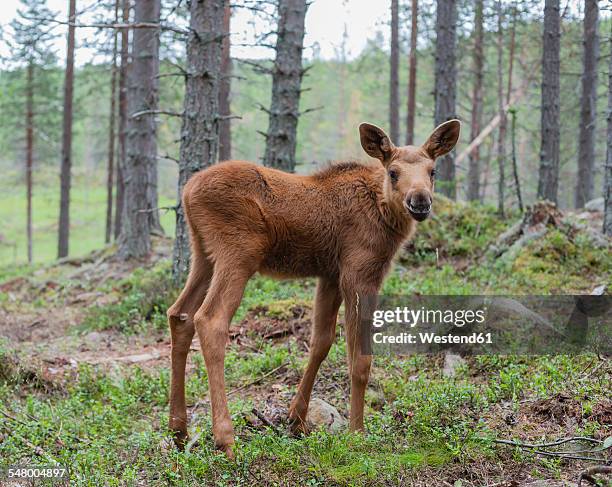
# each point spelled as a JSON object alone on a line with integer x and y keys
{"x": 293, "y": 225}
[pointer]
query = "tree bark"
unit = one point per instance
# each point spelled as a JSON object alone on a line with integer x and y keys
{"x": 225, "y": 126}
{"x": 412, "y": 70}
{"x": 394, "y": 74}
{"x": 607, "y": 226}
{"x": 123, "y": 110}
{"x": 588, "y": 106}
{"x": 65, "y": 176}
{"x": 501, "y": 134}
{"x": 110, "y": 170}
{"x": 445, "y": 86}
{"x": 281, "y": 139}
{"x": 549, "y": 149}
{"x": 200, "y": 129}
{"x": 29, "y": 152}
{"x": 473, "y": 193}
{"x": 517, "y": 181}
{"x": 140, "y": 171}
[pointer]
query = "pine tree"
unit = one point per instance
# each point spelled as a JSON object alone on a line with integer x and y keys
{"x": 30, "y": 47}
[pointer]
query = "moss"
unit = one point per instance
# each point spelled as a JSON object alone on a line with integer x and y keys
{"x": 143, "y": 298}
{"x": 456, "y": 230}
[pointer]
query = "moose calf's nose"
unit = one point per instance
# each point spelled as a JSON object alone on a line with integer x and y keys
{"x": 419, "y": 203}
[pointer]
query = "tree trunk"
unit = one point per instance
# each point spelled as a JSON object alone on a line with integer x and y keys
{"x": 394, "y": 74}
{"x": 200, "y": 130}
{"x": 29, "y": 152}
{"x": 473, "y": 193}
{"x": 111, "y": 135}
{"x": 588, "y": 106}
{"x": 140, "y": 171}
{"x": 64, "y": 215}
{"x": 445, "y": 86}
{"x": 517, "y": 182}
{"x": 281, "y": 138}
{"x": 123, "y": 109}
{"x": 225, "y": 126}
{"x": 501, "y": 135}
{"x": 607, "y": 226}
{"x": 411, "y": 113}
{"x": 549, "y": 149}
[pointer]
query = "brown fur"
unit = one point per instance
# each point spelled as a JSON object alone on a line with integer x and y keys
{"x": 343, "y": 224}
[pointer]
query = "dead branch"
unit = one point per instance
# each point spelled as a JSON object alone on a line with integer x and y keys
{"x": 263, "y": 419}
{"x": 228, "y": 117}
{"x": 168, "y": 157}
{"x": 258, "y": 380}
{"x": 155, "y": 112}
{"x": 164, "y": 208}
{"x": 113, "y": 25}
{"x": 568, "y": 455}
{"x": 546, "y": 445}
{"x": 589, "y": 472}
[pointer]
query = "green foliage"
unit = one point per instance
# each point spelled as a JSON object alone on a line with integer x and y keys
{"x": 560, "y": 260}
{"x": 456, "y": 231}
{"x": 141, "y": 302}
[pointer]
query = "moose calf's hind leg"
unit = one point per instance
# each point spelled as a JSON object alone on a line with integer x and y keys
{"x": 323, "y": 333}
{"x": 212, "y": 323}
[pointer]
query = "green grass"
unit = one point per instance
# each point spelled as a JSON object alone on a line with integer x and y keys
{"x": 109, "y": 428}
{"x": 87, "y": 216}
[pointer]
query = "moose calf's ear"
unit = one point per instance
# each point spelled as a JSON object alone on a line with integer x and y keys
{"x": 376, "y": 142}
{"x": 443, "y": 139}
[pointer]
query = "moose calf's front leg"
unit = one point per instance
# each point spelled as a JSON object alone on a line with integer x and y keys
{"x": 358, "y": 364}
{"x": 327, "y": 303}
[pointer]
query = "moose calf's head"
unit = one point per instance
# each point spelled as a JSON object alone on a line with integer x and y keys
{"x": 410, "y": 170}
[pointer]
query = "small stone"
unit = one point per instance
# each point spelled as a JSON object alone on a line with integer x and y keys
{"x": 324, "y": 415}
{"x": 451, "y": 363}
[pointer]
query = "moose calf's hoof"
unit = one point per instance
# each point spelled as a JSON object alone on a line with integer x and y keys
{"x": 180, "y": 438}
{"x": 297, "y": 426}
{"x": 227, "y": 449}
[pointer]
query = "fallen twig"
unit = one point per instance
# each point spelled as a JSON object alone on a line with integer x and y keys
{"x": 545, "y": 445}
{"x": 263, "y": 419}
{"x": 589, "y": 472}
{"x": 258, "y": 380}
{"x": 242, "y": 387}
{"x": 569, "y": 455}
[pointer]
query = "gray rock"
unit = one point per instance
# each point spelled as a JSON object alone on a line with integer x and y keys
{"x": 451, "y": 363}
{"x": 596, "y": 204}
{"x": 324, "y": 415}
{"x": 598, "y": 239}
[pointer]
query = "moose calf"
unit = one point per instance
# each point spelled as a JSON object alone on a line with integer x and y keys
{"x": 343, "y": 225}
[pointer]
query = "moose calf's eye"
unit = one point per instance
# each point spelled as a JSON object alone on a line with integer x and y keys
{"x": 432, "y": 173}
{"x": 393, "y": 175}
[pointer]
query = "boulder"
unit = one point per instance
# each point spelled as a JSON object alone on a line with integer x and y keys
{"x": 596, "y": 204}
{"x": 323, "y": 415}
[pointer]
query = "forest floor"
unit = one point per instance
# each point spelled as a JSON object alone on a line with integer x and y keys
{"x": 84, "y": 359}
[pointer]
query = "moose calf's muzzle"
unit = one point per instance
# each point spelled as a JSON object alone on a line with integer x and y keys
{"x": 418, "y": 205}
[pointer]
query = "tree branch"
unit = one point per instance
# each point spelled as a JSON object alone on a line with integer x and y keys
{"x": 155, "y": 112}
